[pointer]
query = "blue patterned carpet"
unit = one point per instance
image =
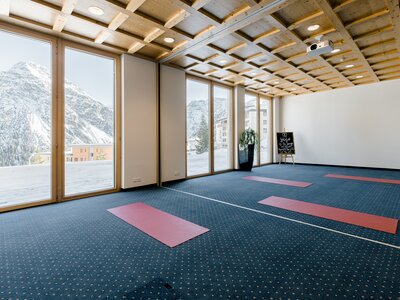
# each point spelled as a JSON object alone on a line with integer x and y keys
{"x": 78, "y": 250}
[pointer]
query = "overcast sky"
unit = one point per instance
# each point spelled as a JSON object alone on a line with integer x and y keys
{"x": 93, "y": 74}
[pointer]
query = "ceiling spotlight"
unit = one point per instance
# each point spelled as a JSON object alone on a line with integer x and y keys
{"x": 293, "y": 89}
{"x": 349, "y": 66}
{"x": 335, "y": 51}
{"x": 313, "y": 27}
{"x": 253, "y": 73}
{"x": 169, "y": 40}
{"x": 275, "y": 82}
{"x": 223, "y": 61}
{"x": 96, "y": 10}
{"x": 359, "y": 76}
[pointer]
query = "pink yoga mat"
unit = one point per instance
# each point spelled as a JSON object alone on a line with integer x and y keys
{"x": 382, "y": 180}
{"x": 160, "y": 225}
{"x": 279, "y": 181}
{"x": 337, "y": 214}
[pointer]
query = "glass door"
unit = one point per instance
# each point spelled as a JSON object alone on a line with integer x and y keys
{"x": 26, "y": 147}
{"x": 265, "y": 131}
{"x": 222, "y": 103}
{"x": 89, "y": 110}
{"x": 197, "y": 128}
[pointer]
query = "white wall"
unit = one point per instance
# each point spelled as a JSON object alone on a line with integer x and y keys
{"x": 139, "y": 120}
{"x": 357, "y": 126}
{"x": 173, "y": 123}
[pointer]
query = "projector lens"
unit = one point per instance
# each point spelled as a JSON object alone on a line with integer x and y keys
{"x": 313, "y": 46}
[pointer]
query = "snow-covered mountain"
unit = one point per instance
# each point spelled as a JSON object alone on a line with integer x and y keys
{"x": 25, "y": 114}
{"x": 197, "y": 109}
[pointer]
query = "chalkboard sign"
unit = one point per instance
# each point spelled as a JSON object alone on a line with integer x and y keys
{"x": 285, "y": 143}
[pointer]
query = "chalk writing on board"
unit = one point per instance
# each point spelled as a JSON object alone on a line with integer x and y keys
{"x": 285, "y": 143}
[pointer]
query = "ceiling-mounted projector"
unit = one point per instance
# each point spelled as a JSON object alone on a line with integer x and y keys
{"x": 322, "y": 47}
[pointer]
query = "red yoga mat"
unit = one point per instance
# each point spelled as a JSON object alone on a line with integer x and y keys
{"x": 160, "y": 225}
{"x": 279, "y": 181}
{"x": 337, "y": 214}
{"x": 370, "y": 179}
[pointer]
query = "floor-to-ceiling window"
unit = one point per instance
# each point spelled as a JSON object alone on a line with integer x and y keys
{"x": 222, "y": 104}
{"x": 265, "y": 131}
{"x": 197, "y": 127}
{"x": 89, "y": 122}
{"x": 25, "y": 119}
{"x": 251, "y": 117}
{"x": 36, "y": 118}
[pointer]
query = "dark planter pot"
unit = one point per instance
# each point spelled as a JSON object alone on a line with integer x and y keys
{"x": 246, "y": 158}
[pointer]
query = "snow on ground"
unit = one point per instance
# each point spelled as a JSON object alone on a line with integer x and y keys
{"x": 33, "y": 183}
{"x": 199, "y": 163}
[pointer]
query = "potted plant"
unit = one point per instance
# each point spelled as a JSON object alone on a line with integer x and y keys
{"x": 248, "y": 139}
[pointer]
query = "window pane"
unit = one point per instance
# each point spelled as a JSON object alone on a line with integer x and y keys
{"x": 222, "y": 129}
{"x": 251, "y": 118}
{"x": 25, "y": 119}
{"x": 89, "y": 122}
{"x": 197, "y": 128}
{"x": 265, "y": 131}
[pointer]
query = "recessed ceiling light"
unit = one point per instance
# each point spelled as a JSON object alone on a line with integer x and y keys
{"x": 96, "y": 10}
{"x": 313, "y": 27}
{"x": 349, "y": 66}
{"x": 335, "y": 51}
{"x": 359, "y": 76}
{"x": 275, "y": 82}
{"x": 254, "y": 73}
{"x": 169, "y": 40}
{"x": 293, "y": 89}
{"x": 222, "y": 61}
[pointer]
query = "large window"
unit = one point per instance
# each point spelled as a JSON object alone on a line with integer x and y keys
{"x": 222, "y": 102}
{"x": 197, "y": 127}
{"x": 35, "y": 119}
{"x": 89, "y": 122}
{"x": 25, "y": 120}
{"x": 208, "y": 127}
{"x": 251, "y": 117}
{"x": 265, "y": 131}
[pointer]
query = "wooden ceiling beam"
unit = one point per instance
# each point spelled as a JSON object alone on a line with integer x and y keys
{"x": 104, "y": 26}
{"x": 134, "y": 4}
{"x": 274, "y": 21}
{"x": 283, "y": 47}
{"x": 227, "y": 68}
{"x": 247, "y": 39}
{"x": 324, "y": 33}
{"x": 240, "y": 60}
{"x": 340, "y": 54}
{"x": 396, "y": 59}
{"x": 372, "y": 33}
{"x": 343, "y": 5}
{"x": 62, "y": 18}
{"x": 394, "y": 11}
{"x": 305, "y": 19}
{"x": 265, "y": 35}
{"x": 367, "y": 18}
{"x": 338, "y": 24}
{"x": 252, "y": 15}
{"x": 69, "y": 34}
{"x": 378, "y": 44}
{"x": 382, "y": 54}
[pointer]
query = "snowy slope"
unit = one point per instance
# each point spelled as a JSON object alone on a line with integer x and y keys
{"x": 25, "y": 114}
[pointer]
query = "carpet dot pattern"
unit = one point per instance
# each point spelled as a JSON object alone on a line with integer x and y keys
{"x": 78, "y": 250}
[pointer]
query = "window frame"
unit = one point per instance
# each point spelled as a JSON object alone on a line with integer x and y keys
{"x": 57, "y": 100}
{"x": 211, "y": 85}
